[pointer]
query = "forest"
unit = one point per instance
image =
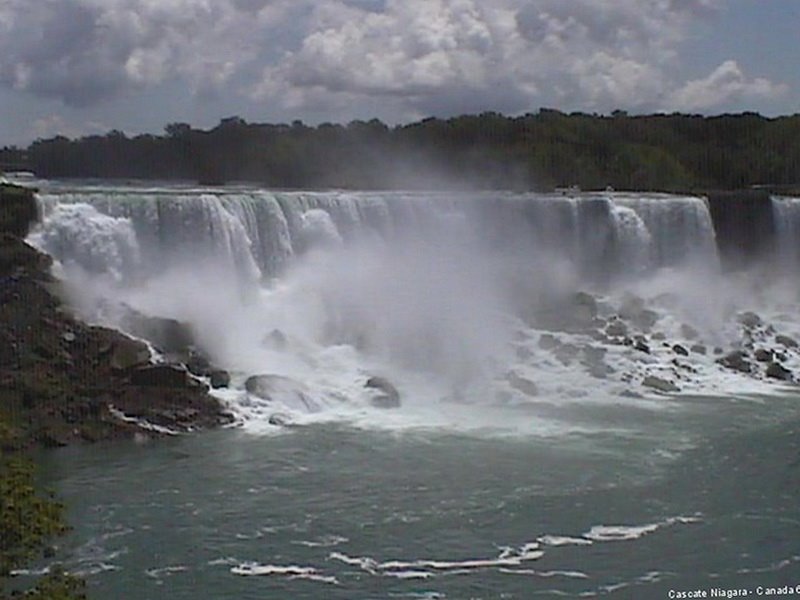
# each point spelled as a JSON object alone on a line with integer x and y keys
{"x": 535, "y": 151}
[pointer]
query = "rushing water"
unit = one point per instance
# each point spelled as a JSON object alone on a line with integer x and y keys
{"x": 565, "y": 424}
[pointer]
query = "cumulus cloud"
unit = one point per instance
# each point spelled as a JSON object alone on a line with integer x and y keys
{"x": 410, "y": 57}
{"x": 725, "y": 82}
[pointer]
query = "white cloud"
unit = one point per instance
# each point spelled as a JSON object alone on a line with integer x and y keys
{"x": 727, "y": 81}
{"x": 408, "y": 57}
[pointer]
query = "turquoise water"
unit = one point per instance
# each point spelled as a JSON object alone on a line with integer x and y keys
{"x": 330, "y": 511}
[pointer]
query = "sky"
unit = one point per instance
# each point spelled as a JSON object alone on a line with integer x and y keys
{"x": 78, "y": 67}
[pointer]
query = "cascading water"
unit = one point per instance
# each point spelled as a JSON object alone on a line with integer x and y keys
{"x": 786, "y": 213}
{"x": 455, "y": 297}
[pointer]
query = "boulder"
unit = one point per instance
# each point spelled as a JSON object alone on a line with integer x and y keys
{"x": 786, "y": 341}
{"x": 763, "y": 355}
{"x": 220, "y": 379}
{"x": 168, "y": 335}
{"x": 389, "y": 396}
{"x": 275, "y": 339}
{"x": 688, "y": 332}
{"x": 616, "y": 328}
{"x": 277, "y": 388}
{"x": 750, "y": 320}
{"x": 736, "y": 360}
{"x": 522, "y": 384}
{"x": 680, "y": 350}
{"x": 699, "y": 349}
{"x": 662, "y": 385}
{"x": 548, "y": 341}
{"x": 776, "y": 370}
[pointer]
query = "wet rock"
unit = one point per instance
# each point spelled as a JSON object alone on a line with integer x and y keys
{"x": 616, "y": 328}
{"x": 659, "y": 336}
{"x": 522, "y": 384}
{"x": 736, "y": 360}
{"x": 523, "y": 353}
{"x": 641, "y": 346}
{"x": 662, "y": 385}
{"x": 275, "y": 339}
{"x": 277, "y": 388}
{"x": 680, "y": 350}
{"x": 219, "y": 379}
{"x": 776, "y": 370}
{"x": 750, "y": 320}
{"x": 566, "y": 353}
{"x": 600, "y": 370}
{"x": 786, "y": 341}
{"x": 127, "y": 353}
{"x": 593, "y": 354}
{"x": 170, "y": 376}
{"x": 548, "y": 341}
{"x": 763, "y": 355}
{"x": 718, "y": 350}
{"x": 584, "y": 307}
{"x": 389, "y": 397}
{"x": 699, "y": 349}
{"x": 168, "y": 335}
{"x": 688, "y": 332}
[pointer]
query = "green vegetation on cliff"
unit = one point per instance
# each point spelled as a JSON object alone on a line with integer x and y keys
{"x": 541, "y": 150}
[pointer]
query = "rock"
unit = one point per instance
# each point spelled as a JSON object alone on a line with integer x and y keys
{"x": 584, "y": 307}
{"x": 170, "y": 376}
{"x": 280, "y": 420}
{"x": 548, "y": 341}
{"x": 659, "y": 336}
{"x": 776, "y": 370}
{"x": 196, "y": 362}
{"x": 699, "y": 349}
{"x": 168, "y": 335}
{"x": 633, "y": 310}
{"x": 678, "y": 349}
{"x": 763, "y": 355}
{"x": 641, "y": 346}
{"x": 127, "y": 353}
{"x": 786, "y": 341}
{"x": 220, "y": 379}
{"x": 389, "y": 398}
{"x": 277, "y": 388}
{"x": 662, "y": 385}
{"x": 523, "y": 353}
{"x": 275, "y": 339}
{"x": 688, "y": 332}
{"x": 718, "y": 350}
{"x": 522, "y": 384}
{"x": 616, "y": 328}
{"x": 594, "y": 354}
{"x": 565, "y": 353}
{"x": 750, "y": 320}
{"x": 736, "y": 360}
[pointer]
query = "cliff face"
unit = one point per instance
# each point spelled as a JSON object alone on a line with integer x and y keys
{"x": 62, "y": 380}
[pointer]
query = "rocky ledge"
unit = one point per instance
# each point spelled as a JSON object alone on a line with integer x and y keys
{"x": 62, "y": 380}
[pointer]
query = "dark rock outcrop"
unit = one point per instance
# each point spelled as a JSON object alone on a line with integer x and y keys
{"x": 776, "y": 370}
{"x": 736, "y": 360}
{"x": 389, "y": 397}
{"x": 64, "y": 381}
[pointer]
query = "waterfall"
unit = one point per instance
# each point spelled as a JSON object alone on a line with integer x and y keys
{"x": 257, "y": 233}
{"x": 786, "y": 213}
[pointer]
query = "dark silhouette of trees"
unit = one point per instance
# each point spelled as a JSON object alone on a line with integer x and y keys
{"x": 533, "y": 151}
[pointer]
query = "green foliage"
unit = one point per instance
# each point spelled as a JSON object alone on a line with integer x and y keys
{"x": 27, "y": 520}
{"x": 538, "y": 150}
{"x": 53, "y": 586}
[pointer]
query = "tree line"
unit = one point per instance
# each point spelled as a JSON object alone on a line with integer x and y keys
{"x": 539, "y": 150}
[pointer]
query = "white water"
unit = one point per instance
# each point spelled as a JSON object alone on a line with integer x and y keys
{"x": 443, "y": 294}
